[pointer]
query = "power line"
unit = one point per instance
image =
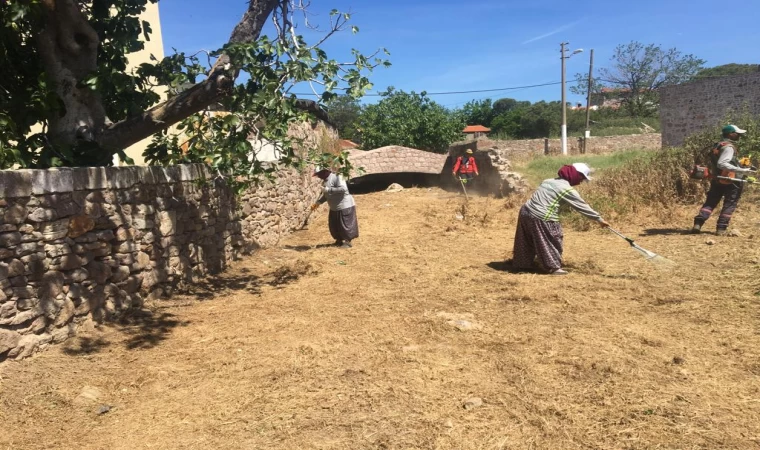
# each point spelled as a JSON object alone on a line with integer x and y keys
{"x": 465, "y": 92}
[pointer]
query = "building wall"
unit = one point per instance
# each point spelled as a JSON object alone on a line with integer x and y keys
{"x": 687, "y": 109}
{"x": 153, "y": 47}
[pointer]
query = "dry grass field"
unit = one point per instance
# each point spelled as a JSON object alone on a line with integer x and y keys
{"x": 307, "y": 346}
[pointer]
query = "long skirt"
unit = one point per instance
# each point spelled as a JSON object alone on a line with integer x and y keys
{"x": 343, "y": 224}
{"x": 536, "y": 237}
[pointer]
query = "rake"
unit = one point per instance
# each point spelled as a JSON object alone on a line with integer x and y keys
{"x": 650, "y": 256}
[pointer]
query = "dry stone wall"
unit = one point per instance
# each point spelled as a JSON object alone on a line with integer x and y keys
{"x": 528, "y": 148}
{"x": 91, "y": 243}
{"x": 687, "y": 109}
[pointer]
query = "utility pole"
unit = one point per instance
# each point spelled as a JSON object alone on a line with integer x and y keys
{"x": 564, "y": 103}
{"x": 588, "y": 98}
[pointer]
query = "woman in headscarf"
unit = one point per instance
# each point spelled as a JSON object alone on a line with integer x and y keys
{"x": 539, "y": 232}
{"x": 344, "y": 227}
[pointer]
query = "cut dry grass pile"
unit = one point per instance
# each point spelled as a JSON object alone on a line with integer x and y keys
{"x": 291, "y": 272}
{"x": 380, "y": 346}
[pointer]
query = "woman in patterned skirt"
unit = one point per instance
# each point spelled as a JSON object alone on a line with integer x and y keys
{"x": 539, "y": 232}
{"x": 342, "y": 221}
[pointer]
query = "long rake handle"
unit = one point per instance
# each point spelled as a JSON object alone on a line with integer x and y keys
{"x": 629, "y": 240}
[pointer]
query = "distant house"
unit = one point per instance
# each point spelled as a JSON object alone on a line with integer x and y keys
{"x": 476, "y": 131}
{"x": 262, "y": 149}
{"x": 579, "y": 106}
{"x": 609, "y": 97}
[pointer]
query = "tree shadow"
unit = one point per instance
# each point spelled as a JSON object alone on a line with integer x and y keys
{"x": 664, "y": 232}
{"x": 83, "y": 345}
{"x": 147, "y": 329}
{"x": 214, "y": 286}
{"x": 144, "y": 329}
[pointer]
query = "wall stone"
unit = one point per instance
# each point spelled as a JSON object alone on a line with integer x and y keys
{"x": 92, "y": 243}
{"x": 687, "y": 109}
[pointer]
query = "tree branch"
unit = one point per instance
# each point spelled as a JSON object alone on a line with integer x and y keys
{"x": 220, "y": 80}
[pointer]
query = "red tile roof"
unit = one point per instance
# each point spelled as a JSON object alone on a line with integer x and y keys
{"x": 475, "y": 129}
{"x": 346, "y": 144}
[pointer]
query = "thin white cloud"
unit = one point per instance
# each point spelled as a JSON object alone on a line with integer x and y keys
{"x": 552, "y": 33}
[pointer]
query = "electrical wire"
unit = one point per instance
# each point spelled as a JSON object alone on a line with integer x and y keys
{"x": 464, "y": 92}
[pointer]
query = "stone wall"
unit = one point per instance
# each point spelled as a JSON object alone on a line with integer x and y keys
{"x": 396, "y": 159}
{"x": 687, "y": 109}
{"x": 91, "y": 243}
{"x": 528, "y": 148}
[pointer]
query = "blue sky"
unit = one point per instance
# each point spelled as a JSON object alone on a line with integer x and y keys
{"x": 450, "y": 45}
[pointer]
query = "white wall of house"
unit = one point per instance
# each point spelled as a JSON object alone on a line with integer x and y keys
{"x": 153, "y": 47}
{"x": 265, "y": 150}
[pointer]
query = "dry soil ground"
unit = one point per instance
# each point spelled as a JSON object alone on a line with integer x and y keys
{"x": 323, "y": 348}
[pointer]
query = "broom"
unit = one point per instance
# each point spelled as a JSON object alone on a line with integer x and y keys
{"x": 650, "y": 256}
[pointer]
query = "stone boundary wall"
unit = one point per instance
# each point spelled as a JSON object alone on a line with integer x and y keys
{"x": 528, "y": 148}
{"x": 687, "y": 109}
{"x": 92, "y": 243}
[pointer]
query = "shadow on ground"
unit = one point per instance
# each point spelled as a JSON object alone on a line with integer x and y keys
{"x": 144, "y": 329}
{"x": 148, "y": 329}
{"x": 215, "y": 286}
{"x": 664, "y": 232}
{"x": 306, "y": 248}
{"x": 83, "y": 345}
{"x": 506, "y": 266}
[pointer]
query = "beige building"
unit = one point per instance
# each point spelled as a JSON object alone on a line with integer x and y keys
{"x": 153, "y": 47}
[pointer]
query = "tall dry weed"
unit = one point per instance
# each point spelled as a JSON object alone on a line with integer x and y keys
{"x": 655, "y": 183}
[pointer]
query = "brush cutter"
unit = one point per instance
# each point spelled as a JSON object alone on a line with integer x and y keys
{"x": 650, "y": 256}
{"x": 461, "y": 181}
{"x": 748, "y": 180}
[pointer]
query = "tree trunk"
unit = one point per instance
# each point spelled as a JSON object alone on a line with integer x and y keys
{"x": 69, "y": 46}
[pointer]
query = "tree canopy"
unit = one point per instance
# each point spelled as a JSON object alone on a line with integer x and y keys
{"x": 727, "y": 70}
{"x": 344, "y": 112}
{"x": 411, "y": 120}
{"x": 636, "y": 71}
{"x": 64, "y": 66}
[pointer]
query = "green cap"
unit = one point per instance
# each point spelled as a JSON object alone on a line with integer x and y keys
{"x": 728, "y": 129}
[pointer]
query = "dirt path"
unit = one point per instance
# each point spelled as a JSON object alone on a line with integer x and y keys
{"x": 302, "y": 347}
